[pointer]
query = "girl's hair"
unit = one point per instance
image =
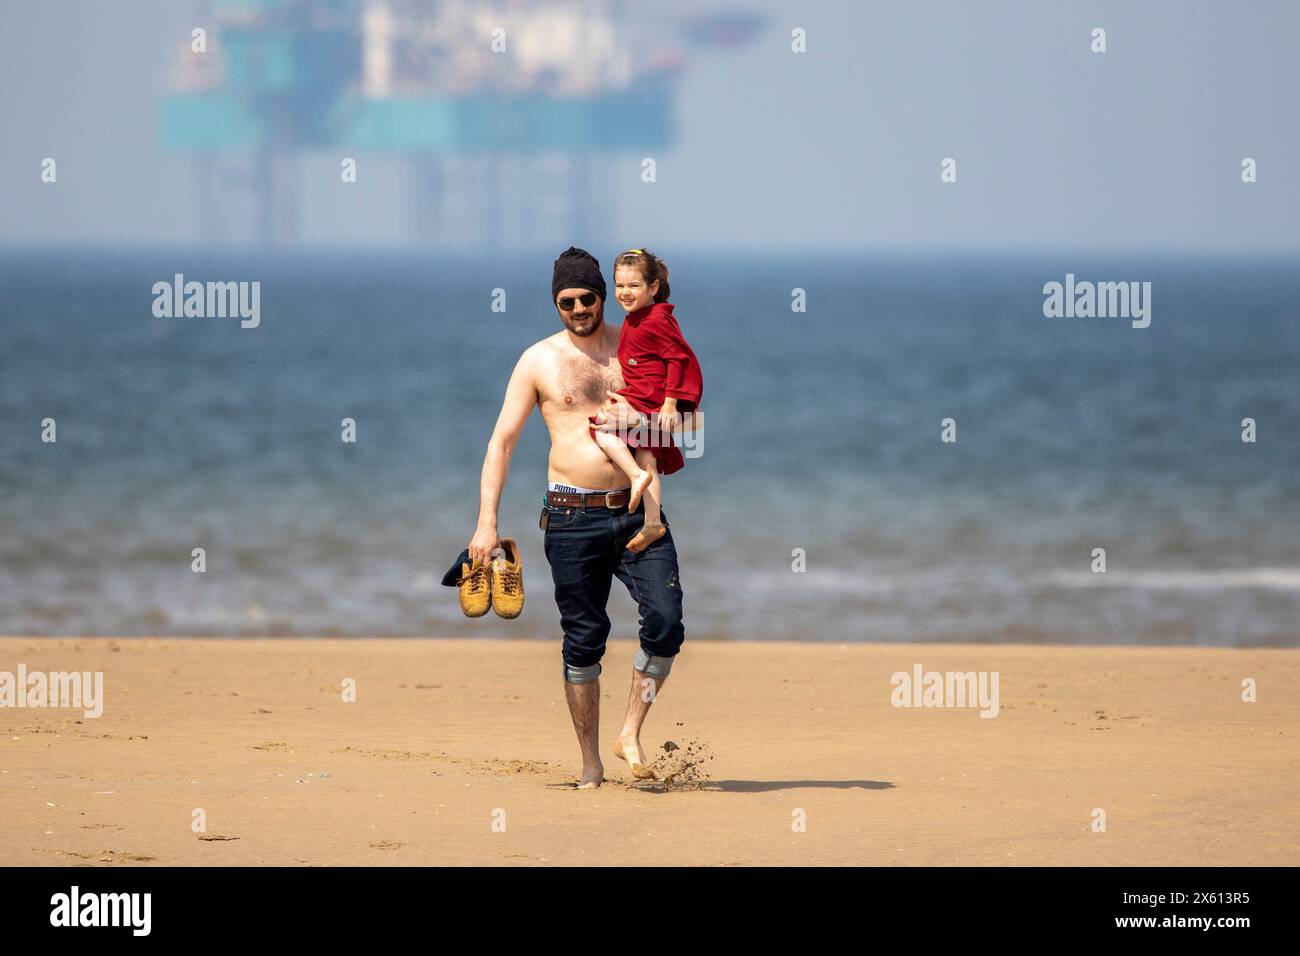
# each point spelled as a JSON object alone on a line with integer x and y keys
{"x": 651, "y": 266}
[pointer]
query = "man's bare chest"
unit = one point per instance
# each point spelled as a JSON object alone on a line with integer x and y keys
{"x": 579, "y": 381}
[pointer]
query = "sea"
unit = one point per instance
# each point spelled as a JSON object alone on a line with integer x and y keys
{"x": 898, "y": 447}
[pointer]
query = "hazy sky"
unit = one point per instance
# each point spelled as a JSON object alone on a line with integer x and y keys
{"x": 839, "y": 147}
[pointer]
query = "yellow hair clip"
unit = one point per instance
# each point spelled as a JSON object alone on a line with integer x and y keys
{"x": 636, "y": 252}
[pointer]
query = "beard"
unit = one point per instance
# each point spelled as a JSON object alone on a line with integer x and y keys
{"x": 583, "y": 325}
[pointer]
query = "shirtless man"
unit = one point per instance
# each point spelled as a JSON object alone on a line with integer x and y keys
{"x": 571, "y": 375}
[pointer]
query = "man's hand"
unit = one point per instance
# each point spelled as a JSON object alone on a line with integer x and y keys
{"x": 481, "y": 546}
{"x": 617, "y": 415}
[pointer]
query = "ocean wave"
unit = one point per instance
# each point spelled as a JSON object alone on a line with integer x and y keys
{"x": 1274, "y": 579}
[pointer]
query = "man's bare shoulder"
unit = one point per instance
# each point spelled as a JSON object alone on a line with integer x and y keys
{"x": 554, "y": 350}
{"x": 541, "y": 354}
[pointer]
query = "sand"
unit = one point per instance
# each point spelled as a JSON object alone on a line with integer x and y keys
{"x": 461, "y": 752}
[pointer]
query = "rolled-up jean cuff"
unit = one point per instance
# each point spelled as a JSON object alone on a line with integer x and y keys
{"x": 652, "y": 666}
{"x": 581, "y": 675}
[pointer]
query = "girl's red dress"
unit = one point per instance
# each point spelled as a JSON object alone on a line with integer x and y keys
{"x": 657, "y": 363}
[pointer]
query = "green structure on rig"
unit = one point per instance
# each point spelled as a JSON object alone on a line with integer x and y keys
{"x": 448, "y": 86}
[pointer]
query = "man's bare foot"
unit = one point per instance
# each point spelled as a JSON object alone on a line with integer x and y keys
{"x": 647, "y": 536}
{"x": 639, "y": 485}
{"x": 629, "y": 749}
{"x": 592, "y": 777}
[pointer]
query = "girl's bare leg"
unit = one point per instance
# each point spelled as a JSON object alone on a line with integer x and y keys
{"x": 616, "y": 450}
{"x": 653, "y": 529}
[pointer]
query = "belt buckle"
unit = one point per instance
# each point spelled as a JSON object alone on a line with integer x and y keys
{"x": 607, "y": 501}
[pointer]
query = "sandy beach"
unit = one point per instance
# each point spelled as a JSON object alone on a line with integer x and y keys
{"x": 461, "y": 752}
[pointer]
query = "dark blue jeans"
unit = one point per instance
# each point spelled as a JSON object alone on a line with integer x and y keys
{"x": 587, "y": 549}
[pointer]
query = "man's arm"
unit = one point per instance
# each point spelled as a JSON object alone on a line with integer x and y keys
{"x": 521, "y": 396}
{"x": 617, "y": 415}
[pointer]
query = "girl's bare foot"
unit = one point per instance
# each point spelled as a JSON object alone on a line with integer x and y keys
{"x": 629, "y": 748}
{"x": 648, "y": 535}
{"x": 639, "y": 484}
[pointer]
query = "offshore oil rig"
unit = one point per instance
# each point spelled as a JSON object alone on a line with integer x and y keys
{"x": 505, "y": 112}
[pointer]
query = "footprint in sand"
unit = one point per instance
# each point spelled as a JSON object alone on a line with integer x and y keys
{"x": 107, "y": 856}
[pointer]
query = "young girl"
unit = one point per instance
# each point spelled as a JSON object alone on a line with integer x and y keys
{"x": 663, "y": 380}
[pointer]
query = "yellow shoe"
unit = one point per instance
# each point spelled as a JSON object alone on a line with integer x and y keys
{"x": 475, "y": 589}
{"x": 508, "y": 581}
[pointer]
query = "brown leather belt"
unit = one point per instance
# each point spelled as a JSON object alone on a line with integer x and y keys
{"x": 604, "y": 499}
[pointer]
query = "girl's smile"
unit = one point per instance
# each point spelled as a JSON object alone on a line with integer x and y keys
{"x": 631, "y": 290}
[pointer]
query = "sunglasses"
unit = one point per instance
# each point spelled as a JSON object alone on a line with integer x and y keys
{"x": 588, "y": 299}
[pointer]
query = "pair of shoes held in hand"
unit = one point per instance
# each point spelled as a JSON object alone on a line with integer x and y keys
{"x": 499, "y": 586}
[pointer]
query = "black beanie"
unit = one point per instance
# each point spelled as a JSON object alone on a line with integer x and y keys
{"x": 577, "y": 269}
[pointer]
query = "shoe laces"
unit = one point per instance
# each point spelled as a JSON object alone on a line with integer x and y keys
{"x": 509, "y": 580}
{"x": 477, "y": 581}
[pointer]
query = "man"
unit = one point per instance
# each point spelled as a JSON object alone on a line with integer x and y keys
{"x": 570, "y": 376}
